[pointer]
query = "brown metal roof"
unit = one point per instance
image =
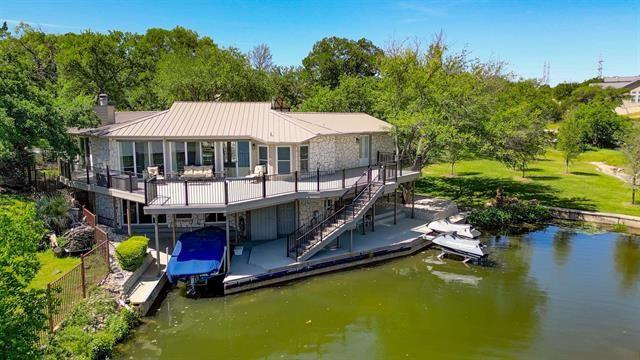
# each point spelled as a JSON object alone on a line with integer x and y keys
{"x": 253, "y": 120}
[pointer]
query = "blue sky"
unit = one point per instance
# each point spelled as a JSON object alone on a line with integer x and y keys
{"x": 570, "y": 35}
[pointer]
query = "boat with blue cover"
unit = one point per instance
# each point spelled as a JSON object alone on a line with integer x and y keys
{"x": 198, "y": 257}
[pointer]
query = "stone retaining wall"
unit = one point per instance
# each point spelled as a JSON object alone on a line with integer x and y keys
{"x": 596, "y": 217}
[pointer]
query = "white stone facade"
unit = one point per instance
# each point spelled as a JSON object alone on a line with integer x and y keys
{"x": 307, "y": 208}
{"x": 382, "y": 143}
{"x": 105, "y": 206}
{"x": 343, "y": 151}
{"x": 102, "y": 150}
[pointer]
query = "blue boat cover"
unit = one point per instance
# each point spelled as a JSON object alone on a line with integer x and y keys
{"x": 199, "y": 252}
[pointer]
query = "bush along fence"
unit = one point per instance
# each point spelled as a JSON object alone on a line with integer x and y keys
{"x": 67, "y": 291}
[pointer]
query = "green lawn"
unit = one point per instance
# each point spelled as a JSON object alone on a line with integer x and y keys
{"x": 583, "y": 188}
{"x": 52, "y": 268}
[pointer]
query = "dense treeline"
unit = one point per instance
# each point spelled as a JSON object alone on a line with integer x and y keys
{"x": 447, "y": 105}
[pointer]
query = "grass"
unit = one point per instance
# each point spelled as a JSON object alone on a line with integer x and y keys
{"x": 51, "y": 268}
{"x": 583, "y": 188}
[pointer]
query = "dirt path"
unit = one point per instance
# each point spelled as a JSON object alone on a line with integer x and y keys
{"x": 612, "y": 170}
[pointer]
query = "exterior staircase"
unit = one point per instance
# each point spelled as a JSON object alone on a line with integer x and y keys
{"x": 307, "y": 240}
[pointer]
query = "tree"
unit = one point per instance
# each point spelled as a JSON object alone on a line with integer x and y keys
{"x": 288, "y": 84}
{"x": 22, "y": 309}
{"x": 519, "y": 136}
{"x": 260, "y": 57}
{"x": 600, "y": 125}
{"x": 631, "y": 149}
{"x": 334, "y": 57}
{"x": 354, "y": 94}
{"x": 570, "y": 141}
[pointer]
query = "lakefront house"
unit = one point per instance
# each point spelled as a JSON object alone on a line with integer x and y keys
{"x": 303, "y": 180}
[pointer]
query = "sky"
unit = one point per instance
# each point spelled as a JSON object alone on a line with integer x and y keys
{"x": 570, "y": 35}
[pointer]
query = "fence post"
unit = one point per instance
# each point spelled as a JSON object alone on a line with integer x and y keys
{"x": 186, "y": 192}
{"x": 295, "y": 175}
{"x": 44, "y": 182}
{"x": 344, "y": 177}
{"x": 87, "y": 172}
{"x": 318, "y": 179}
{"x": 226, "y": 192}
{"x": 399, "y": 168}
{"x": 130, "y": 182}
{"x": 384, "y": 175}
{"x": 50, "y": 307}
{"x": 108, "y": 178}
{"x": 84, "y": 283}
{"x": 264, "y": 185}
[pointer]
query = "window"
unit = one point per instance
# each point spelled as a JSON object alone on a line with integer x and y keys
{"x": 142, "y": 156}
{"x": 126, "y": 156}
{"x": 304, "y": 158}
{"x": 263, "y": 156}
{"x": 157, "y": 155}
{"x": 230, "y": 157}
{"x": 193, "y": 153}
{"x": 284, "y": 159}
{"x": 208, "y": 154}
{"x": 178, "y": 156}
{"x": 244, "y": 165}
{"x": 214, "y": 218}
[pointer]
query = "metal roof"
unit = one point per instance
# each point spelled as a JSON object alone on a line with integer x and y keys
{"x": 255, "y": 120}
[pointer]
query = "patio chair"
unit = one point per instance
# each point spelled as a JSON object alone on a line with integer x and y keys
{"x": 258, "y": 172}
{"x": 154, "y": 171}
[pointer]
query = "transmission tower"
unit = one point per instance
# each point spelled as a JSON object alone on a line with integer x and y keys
{"x": 600, "y": 67}
{"x": 545, "y": 73}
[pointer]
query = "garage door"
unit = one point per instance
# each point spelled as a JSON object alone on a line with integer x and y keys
{"x": 264, "y": 224}
{"x": 286, "y": 219}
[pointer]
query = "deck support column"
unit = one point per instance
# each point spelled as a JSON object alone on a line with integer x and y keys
{"x": 351, "y": 240}
{"x": 173, "y": 231}
{"x": 228, "y": 252}
{"x": 373, "y": 217}
{"x": 129, "y": 217}
{"x": 413, "y": 200}
{"x": 157, "y": 239}
{"x": 395, "y": 206}
{"x": 235, "y": 221}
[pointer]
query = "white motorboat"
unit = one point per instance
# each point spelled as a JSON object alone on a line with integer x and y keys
{"x": 469, "y": 249}
{"x": 446, "y": 227}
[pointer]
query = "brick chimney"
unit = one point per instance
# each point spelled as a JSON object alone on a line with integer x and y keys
{"x": 106, "y": 112}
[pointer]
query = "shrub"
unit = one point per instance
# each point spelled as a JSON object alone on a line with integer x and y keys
{"x": 131, "y": 252}
{"x": 498, "y": 218}
{"x": 54, "y": 211}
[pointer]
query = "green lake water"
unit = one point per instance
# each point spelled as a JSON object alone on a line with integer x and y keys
{"x": 553, "y": 293}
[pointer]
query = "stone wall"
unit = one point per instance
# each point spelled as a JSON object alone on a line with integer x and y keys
{"x": 322, "y": 153}
{"x": 306, "y": 208}
{"x": 105, "y": 206}
{"x": 104, "y": 152}
{"x": 382, "y": 143}
{"x": 347, "y": 153}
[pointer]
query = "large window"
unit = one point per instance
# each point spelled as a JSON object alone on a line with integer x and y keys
{"x": 284, "y": 159}
{"x": 178, "y": 156}
{"x": 208, "y": 154}
{"x": 136, "y": 156}
{"x": 193, "y": 153}
{"x": 142, "y": 156}
{"x": 126, "y": 156}
{"x": 304, "y": 158}
{"x": 244, "y": 162}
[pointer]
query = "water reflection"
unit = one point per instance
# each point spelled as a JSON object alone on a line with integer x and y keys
{"x": 562, "y": 245}
{"x": 420, "y": 307}
{"x": 627, "y": 260}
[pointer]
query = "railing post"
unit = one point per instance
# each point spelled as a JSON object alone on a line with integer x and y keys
{"x": 44, "y": 181}
{"x": 344, "y": 177}
{"x": 295, "y": 174}
{"x": 186, "y": 193}
{"x": 318, "y": 179}
{"x": 146, "y": 199}
{"x": 264, "y": 186}
{"x": 384, "y": 175}
{"x": 84, "y": 283}
{"x": 226, "y": 192}
{"x": 130, "y": 182}
{"x": 399, "y": 167}
{"x": 108, "y": 178}
{"x": 68, "y": 172}
{"x": 87, "y": 173}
